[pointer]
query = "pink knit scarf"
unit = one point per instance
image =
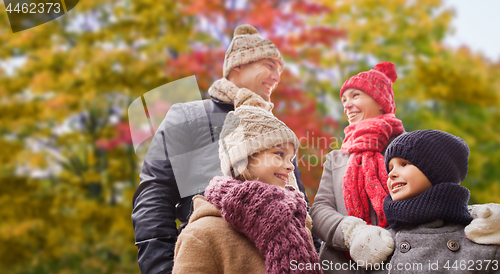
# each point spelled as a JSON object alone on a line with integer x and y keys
{"x": 365, "y": 178}
{"x": 272, "y": 217}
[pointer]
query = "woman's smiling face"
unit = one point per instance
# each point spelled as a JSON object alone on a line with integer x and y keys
{"x": 358, "y": 106}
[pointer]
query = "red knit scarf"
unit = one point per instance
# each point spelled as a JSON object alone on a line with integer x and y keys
{"x": 366, "y": 177}
{"x": 272, "y": 217}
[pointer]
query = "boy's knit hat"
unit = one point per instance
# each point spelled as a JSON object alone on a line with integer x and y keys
{"x": 247, "y": 46}
{"x": 442, "y": 157}
{"x": 377, "y": 83}
{"x": 249, "y": 130}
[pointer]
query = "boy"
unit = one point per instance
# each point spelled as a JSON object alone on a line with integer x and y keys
{"x": 427, "y": 207}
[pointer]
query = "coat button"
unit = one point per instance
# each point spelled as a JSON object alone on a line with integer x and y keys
{"x": 404, "y": 247}
{"x": 453, "y": 245}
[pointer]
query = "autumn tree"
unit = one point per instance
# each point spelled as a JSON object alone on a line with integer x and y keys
{"x": 458, "y": 91}
{"x": 69, "y": 169}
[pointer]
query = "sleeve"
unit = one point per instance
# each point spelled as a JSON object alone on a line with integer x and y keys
{"x": 326, "y": 218}
{"x": 193, "y": 255}
{"x": 298, "y": 177}
{"x": 153, "y": 214}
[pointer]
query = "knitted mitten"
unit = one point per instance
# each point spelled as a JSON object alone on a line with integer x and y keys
{"x": 367, "y": 243}
{"x": 485, "y": 227}
{"x": 272, "y": 217}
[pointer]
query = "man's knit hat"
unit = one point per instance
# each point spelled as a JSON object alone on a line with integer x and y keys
{"x": 442, "y": 157}
{"x": 247, "y": 46}
{"x": 249, "y": 130}
{"x": 377, "y": 83}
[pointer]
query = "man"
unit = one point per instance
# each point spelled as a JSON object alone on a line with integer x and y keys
{"x": 183, "y": 155}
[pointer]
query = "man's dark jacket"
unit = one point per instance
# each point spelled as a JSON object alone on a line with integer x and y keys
{"x": 157, "y": 202}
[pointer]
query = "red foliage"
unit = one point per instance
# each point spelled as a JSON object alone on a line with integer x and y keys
{"x": 121, "y": 137}
{"x": 314, "y": 130}
{"x": 309, "y": 8}
{"x": 206, "y": 65}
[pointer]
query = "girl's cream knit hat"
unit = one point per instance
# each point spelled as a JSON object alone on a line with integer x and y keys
{"x": 249, "y": 130}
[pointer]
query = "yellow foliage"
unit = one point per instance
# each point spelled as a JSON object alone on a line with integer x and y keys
{"x": 458, "y": 76}
{"x": 488, "y": 195}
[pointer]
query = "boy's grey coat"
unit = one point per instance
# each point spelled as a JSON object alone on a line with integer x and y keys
{"x": 328, "y": 211}
{"x": 428, "y": 245}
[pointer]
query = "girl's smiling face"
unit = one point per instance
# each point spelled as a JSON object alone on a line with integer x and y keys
{"x": 405, "y": 180}
{"x": 358, "y": 106}
{"x": 273, "y": 166}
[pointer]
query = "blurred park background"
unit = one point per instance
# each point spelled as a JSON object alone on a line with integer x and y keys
{"x": 68, "y": 168}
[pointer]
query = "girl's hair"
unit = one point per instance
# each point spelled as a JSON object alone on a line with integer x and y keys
{"x": 246, "y": 175}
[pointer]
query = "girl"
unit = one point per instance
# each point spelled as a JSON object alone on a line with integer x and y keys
{"x": 253, "y": 220}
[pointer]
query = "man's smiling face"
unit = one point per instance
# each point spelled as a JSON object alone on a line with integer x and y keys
{"x": 261, "y": 77}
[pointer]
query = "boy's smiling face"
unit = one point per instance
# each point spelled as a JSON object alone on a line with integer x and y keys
{"x": 405, "y": 180}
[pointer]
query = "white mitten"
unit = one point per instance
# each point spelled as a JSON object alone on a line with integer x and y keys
{"x": 485, "y": 227}
{"x": 366, "y": 243}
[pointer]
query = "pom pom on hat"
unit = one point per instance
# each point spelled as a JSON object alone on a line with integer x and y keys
{"x": 245, "y": 29}
{"x": 388, "y": 69}
{"x": 248, "y": 46}
{"x": 377, "y": 83}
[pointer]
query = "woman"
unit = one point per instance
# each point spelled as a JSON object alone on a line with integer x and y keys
{"x": 354, "y": 178}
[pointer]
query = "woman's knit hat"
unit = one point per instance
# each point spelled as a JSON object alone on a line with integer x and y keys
{"x": 377, "y": 83}
{"x": 247, "y": 46}
{"x": 249, "y": 130}
{"x": 442, "y": 157}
